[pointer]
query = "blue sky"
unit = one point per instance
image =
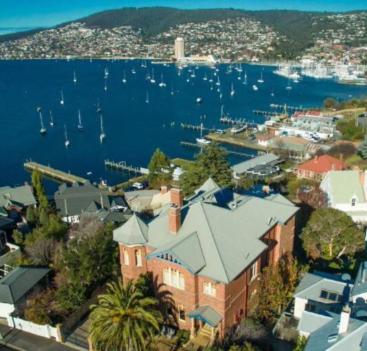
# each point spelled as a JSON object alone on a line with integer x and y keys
{"x": 34, "y": 13}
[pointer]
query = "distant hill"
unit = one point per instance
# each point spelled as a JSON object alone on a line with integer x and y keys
{"x": 297, "y": 26}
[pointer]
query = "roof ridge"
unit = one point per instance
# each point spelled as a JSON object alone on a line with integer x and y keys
{"x": 214, "y": 240}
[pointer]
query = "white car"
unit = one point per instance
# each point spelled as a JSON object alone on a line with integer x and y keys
{"x": 138, "y": 186}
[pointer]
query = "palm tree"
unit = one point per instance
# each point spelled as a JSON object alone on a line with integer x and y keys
{"x": 123, "y": 319}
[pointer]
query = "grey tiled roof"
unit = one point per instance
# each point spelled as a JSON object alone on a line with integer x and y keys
{"x": 206, "y": 314}
{"x": 265, "y": 159}
{"x": 21, "y": 195}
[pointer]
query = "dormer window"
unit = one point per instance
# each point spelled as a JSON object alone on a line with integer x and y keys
{"x": 209, "y": 289}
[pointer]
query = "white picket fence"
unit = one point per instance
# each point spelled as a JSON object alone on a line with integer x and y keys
{"x": 45, "y": 330}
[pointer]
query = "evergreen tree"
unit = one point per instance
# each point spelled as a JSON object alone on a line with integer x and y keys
{"x": 159, "y": 169}
{"x": 362, "y": 149}
{"x": 211, "y": 162}
{"x": 31, "y": 215}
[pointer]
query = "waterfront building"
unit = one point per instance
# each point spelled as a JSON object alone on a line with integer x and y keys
{"x": 208, "y": 251}
{"x": 316, "y": 168}
{"x": 179, "y": 49}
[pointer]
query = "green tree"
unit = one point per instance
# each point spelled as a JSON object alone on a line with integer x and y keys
{"x": 39, "y": 189}
{"x": 331, "y": 233}
{"x": 330, "y": 103}
{"x": 211, "y": 162}
{"x": 123, "y": 319}
{"x": 349, "y": 130}
{"x": 39, "y": 308}
{"x": 362, "y": 149}
{"x": 31, "y": 215}
{"x": 301, "y": 343}
{"x": 70, "y": 296}
{"x": 18, "y": 237}
{"x": 159, "y": 169}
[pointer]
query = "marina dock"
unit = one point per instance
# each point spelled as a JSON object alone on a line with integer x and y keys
{"x": 229, "y": 152}
{"x": 197, "y": 127}
{"x": 53, "y": 173}
{"x": 233, "y": 140}
{"x": 124, "y": 167}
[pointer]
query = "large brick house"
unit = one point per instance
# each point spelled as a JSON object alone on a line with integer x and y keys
{"x": 208, "y": 251}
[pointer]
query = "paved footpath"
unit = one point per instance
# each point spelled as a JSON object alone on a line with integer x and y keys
{"x": 22, "y": 341}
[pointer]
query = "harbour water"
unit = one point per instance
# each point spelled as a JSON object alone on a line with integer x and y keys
{"x": 133, "y": 127}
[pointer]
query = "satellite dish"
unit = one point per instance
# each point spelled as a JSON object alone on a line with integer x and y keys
{"x": 346, "y": 277}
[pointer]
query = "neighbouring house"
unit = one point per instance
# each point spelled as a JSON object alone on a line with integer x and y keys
{"x": 331, "y": 310}
{"x": 17, "y": 284}
{"x": 264, "y": 139}
{"x": 16, "y": 200}
{"x": 316, "y": 168}
{"x": 260, "y": 166}
{"x": 346, "y": 191}
{"x": 208, "y": 252}
{"x": 71, "y": 202}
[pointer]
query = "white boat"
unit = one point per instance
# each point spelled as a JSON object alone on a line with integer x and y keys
{"x": 147, "y": 98}
{"x": 205, "y": 77}
{"x": 75, "y": 80}
{"x": 102, "y": 136}
{"x": 202, "y": 140}
{"x": 245, "y": 79}
{"x": 152, "y": 80}
{"x": 232, "y": 90}
{"x": 80, "y": 124}
{"x": 67, "y": 141}
{"x": 287, "y": 71}
{"x": 43, "y": 130}
{"x": 133, "y": 71}
{"x": 105, "y": 85}
{"x": 51, "y": 119}
{"x": 62, "y": 101}
{"x": 162, "y": 84}
{"x": 199, "y": 100}
{"x": 255, "y": 88}
{"x": 236, "y": 130}
{"x": 218, "y": 82}
{"x": 261, "y": 80}
{"x": 106, "y": 73}
{"x": 124, "y": 78}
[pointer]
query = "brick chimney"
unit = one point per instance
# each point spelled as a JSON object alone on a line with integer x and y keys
{"x": 174, "y": 215}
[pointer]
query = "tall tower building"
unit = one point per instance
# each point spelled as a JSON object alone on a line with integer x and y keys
{"x": 179, "y": 49}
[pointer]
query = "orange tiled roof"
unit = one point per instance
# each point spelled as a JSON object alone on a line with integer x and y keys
{"x": 323, "y": 164}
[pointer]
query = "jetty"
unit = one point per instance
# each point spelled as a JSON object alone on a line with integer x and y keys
{"x": 229, "y": 152}
{"x": 233, "y": 121}
{"x": 234, "y": 140}
{"x": 53, "y": 173}
{"x": 196, "y": 127}
{"x": 124, "y": 167}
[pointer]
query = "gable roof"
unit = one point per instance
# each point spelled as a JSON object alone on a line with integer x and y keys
{"x": 19, "y": 281}
{"x": 322, "y": 164}
{"x": 253, "y": 162}
{"x": 220, "y": 236}
{"x": 339, "y": 193}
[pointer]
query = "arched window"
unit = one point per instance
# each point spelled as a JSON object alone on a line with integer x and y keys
{"x": 354, "y": 200}
{"x": 126, "y": 258}
{"x": 138, "y": 260}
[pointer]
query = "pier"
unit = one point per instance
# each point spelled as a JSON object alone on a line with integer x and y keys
{"x": 54, "y": 173}
{"x": 196, "y": 127}
{"x": 232, "y": 121}
{"x": 238, "y": 141}
{"x": 229, "y": 152}
{"x": 124, "y": 167}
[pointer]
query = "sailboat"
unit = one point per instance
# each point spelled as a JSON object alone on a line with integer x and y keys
{"x": 62, "y": 98}
{"x": 261, "y": 80}
{"x": 147, "y": 98}
{"x": 288, "y": 87}
{"x": 67, "y": 141}
{"x": 124, "y": 78}
{"x": 232, "y": 90}
{"x": 152, "y": 80}
{"x": 162, "y": 84}
{"x": 43, "y": 130}
{"x": 202, "y": 140}
{"x": 102, "y": 136}
{"x": 218, "y": 82}
{"x": 105, "y": 85}
{"x": 51, "y": 119}
{"x": 75, "y": 80}
{"x": 80, "y": 124}
{"x": 255, "y": 88}
{"x": 245, "y": 79}
{"x": 205, "y": 77}
{"x": 106, "y": 73}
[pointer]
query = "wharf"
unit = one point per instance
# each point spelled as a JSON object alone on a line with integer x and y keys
{"x": 53, "y": 173}
{"x": 196, "y": 127}
{"x": 124, "y": 167}
{"x": 229, "y": 152}
{"x": 234, "y": 140}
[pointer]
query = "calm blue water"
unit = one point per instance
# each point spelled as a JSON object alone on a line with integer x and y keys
{"x": 133, "y": 128}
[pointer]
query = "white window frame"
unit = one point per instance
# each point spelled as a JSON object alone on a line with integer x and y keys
{"x": 138, "y": 258}
{"x": 181, "y": 308}
{"x": 173, "y": 277}
{"x": 209, "y": 289}
{"x": 253, "y": 271}
{"x": 126, "y": 257}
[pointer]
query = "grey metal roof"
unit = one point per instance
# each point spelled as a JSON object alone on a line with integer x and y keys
{"x": 265, "y": 159}
{"x": 310, "y": 321}
{"x": 21, "y": 195}
{"x": 74, "y": 200}
{"x": 207, "y": 314}
{"x": 349, "y": 341}
{"x": 360, "y": 283}
{"x": 312, "y": 283}
{"x": 133, "y": 232}
{"x": 18, "y": 282}
{"x": 228, "y": 234}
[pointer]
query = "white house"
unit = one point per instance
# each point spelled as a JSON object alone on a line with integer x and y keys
{"x": 346, "y": 191}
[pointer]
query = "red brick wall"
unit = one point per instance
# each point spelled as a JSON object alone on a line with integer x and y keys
{"x": 131, "y": 271}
